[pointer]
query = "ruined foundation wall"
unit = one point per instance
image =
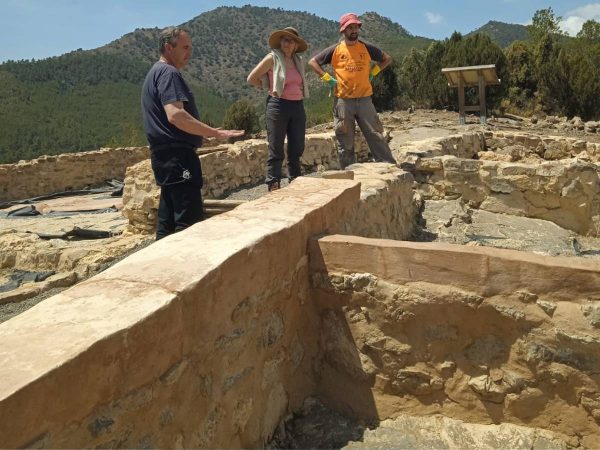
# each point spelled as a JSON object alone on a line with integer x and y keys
{"x": 240, "y": 164}
{"x": 387, "y": 207}
{"x": 477, "y": 334}
{"x": 464, "y": 145}
{"x": 68, "y": 171}
{"x": 565, "y": 192}
{"x": 206, "y": 338}
{"x": 548, "y": 147}
{"x": 236, "y": 165}
{"x": 559, "y": 182}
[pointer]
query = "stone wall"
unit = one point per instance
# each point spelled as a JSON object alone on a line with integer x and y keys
{"x": 477, "y": 334}
{"x": 465, "y": 145}
{"x": 550, "y": 178}
{"x": 68, "y": 171}
{"x": 236, "y": 165}
{"x": 387, "y": 208}
{"x": 207, "y": 338}
{"x": 565, "y": 192}
{"x": 245, "y": 162}
{"x": 546, "y": 147}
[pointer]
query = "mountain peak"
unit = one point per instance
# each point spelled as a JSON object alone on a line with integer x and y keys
{"x": 503, "y": 33}
{"x": 372, "y": 21}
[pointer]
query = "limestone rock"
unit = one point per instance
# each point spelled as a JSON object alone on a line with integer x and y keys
{"x": 577, "y": 123}
{"x": 592, "y": 127}
{"x": 495, "y": 388}
{"x": 591, "y": 402}
{"x": 416, "y": 381}
{"x": 548, "y": 307}
{"x": 340, "y": 350}
{"x": 592, "y": 313}
{"x": 422, "y": 433}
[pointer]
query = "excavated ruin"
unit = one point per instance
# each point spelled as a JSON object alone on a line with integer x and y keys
{"x": 450, "y": 302}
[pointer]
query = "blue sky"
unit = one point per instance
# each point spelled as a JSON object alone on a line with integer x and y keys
{"x": 43, "y": 28}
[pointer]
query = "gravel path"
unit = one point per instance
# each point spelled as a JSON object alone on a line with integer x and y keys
{"x": 251, "y": 192}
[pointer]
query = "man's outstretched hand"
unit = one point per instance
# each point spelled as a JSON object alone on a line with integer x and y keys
{"x": 229, "y": 133}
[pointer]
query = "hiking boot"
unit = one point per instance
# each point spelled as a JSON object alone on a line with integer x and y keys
{"x": 273, "y": 186}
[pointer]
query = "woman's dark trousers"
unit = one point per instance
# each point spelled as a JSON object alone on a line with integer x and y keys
{"x": 284, "y": 117}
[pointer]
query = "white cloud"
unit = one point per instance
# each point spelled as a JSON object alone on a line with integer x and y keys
{"x": 574, "y": 19}
{"x": 434, "y": 18}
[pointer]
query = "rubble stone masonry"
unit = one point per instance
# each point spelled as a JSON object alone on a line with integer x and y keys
{"x": 68, "y": 171}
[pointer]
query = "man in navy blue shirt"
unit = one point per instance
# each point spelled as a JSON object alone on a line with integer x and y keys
{"x": 174, "y": 131}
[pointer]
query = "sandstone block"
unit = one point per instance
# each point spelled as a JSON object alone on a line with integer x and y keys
{"x": 338, "y": 175}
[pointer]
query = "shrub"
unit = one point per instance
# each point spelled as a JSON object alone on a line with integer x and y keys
{"x": 241, "y": 116}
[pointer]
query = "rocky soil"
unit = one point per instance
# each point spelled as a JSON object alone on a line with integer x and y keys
{"x": 316, "y": 426}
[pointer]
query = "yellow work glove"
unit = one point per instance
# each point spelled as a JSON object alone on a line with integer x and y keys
{"x": 329, "y": 80}
{"x": 374, "y": 71}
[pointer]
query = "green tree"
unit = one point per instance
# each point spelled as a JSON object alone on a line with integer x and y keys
{"x": 520, "y": 65}
{"x": 575, "y": 88}
{"x": 410, "y": 77}
{"x": 544, "y": 22}
{"x": 386, "y": 89}
{"x": 434, "y": 83}
{"x": 319, "y": 106}
{"x": 241, "y": 116}
{"x": 523, "y": 82}
{"x": 590, "y": 31}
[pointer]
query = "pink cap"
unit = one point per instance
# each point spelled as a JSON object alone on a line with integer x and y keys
{"x": 349, "y": 19}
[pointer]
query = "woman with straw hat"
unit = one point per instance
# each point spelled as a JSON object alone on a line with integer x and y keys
{"x": 281, "y": 71}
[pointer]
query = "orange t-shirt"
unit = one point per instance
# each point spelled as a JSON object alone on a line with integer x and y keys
{"x": 351, "y": 65}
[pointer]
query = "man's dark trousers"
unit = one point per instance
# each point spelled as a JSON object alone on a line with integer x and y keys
{"x": 180, "y": 206}
{"x": 178, "y": 172}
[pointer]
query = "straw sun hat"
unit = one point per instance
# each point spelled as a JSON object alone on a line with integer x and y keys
{"x": 289, "y": 32}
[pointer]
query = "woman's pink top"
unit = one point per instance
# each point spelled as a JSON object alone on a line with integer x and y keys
{"x": 293, "y": 89}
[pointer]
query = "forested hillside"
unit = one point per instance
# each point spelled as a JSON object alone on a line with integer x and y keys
{"x": 229, "y": 42}
{"x": 75, "y": 102}
{"x": 88, "y": 99}
{"x": 549, "y": 73}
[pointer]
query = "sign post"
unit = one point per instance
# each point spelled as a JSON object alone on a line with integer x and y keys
{"x": 471, "y": 76}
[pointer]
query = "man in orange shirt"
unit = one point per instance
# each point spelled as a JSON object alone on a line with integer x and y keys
{"x": 352, "y": 69}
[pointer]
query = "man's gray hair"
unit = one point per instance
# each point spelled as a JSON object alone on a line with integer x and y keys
{"x": 169, "y": 36}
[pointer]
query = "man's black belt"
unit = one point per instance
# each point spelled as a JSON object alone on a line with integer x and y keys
{"x": 173, "y": 145}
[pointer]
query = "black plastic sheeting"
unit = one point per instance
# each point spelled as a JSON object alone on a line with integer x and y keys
{"x": 19, "y": 277}
{"x": 29, "y": 210}
{"x": 25, "y": 211}
{"x": 115, "y": 187}
{"x": 78, "y": 234}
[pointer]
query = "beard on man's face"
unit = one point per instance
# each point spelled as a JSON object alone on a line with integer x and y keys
{"x": 352, "y": 36}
